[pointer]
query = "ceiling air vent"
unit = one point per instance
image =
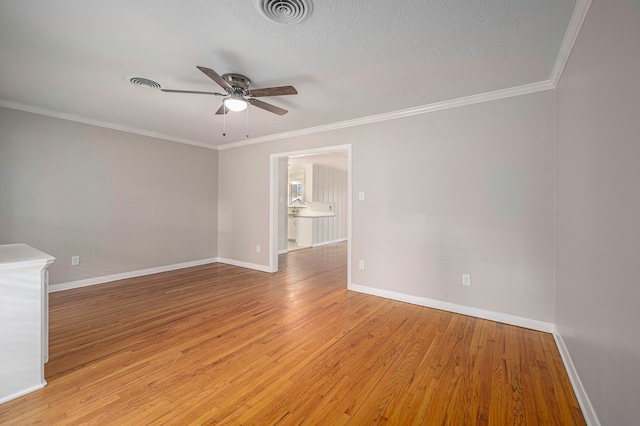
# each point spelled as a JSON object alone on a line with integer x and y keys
{"x": 285, "y": 11}
{"x": 144, "y": 82}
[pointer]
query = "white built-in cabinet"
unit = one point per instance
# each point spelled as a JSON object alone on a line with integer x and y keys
{"x": 24, "y": 310}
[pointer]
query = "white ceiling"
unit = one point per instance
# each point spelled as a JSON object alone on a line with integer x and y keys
{"x": 349, "y": 59}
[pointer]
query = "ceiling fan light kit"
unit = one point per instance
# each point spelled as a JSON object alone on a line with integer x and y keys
{"x": 235, "y": 102}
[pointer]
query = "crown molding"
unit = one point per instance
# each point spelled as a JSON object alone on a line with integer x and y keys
{"x": 573, "y": 28}
{"x": 408, "y": 112}
{"x": 107, "y": 125}
{"x": 570, "y": 36}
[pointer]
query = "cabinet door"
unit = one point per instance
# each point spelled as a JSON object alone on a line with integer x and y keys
{"x": 304, "y": 231}
{"x": 291, "y": 228}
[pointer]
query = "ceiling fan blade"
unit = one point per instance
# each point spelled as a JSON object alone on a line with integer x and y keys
{"x": 194, "y": 92}
{"x": 222, "y": 110}
{"x": 274, "y": 91}
{"x": 271, "y": 108}
{"x": 215, "y": 77}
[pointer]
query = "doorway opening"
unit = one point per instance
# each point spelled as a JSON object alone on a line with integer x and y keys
{"x": 310, "y": 200}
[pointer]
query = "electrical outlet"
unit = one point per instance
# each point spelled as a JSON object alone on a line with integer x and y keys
{"x": 466, "y": 280}
{"x": 257, "y": 249}
{"x": 361, "y": 264}
{"x": 361, "y": 196}
{"x": 75, "y": 260}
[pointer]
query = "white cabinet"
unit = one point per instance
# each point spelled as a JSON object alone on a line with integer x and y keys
{"x": 24, "y": 306}
{"x": 304, "y": 231}
{"x": 300, "y": 230}
{"x": 291, "y": 228}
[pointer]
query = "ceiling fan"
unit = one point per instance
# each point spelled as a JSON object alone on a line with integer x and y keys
{"x": 238, "y": 95}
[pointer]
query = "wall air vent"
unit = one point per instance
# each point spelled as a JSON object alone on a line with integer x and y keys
{"x": 144, "y": 82}
{"x": 285, "y": 11}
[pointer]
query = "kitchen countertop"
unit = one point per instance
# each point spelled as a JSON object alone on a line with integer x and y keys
{"x": 313, "y": 214}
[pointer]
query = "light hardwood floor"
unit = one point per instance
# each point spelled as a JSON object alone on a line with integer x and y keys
{"x": 217, "y": 344}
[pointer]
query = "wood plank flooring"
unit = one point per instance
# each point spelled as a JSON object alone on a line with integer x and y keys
{"x": 217, "y": 344}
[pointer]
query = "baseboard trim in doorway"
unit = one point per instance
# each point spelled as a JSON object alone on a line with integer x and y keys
{"x": 324, "y": 243}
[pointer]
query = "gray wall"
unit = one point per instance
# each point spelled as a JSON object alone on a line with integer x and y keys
{"x": 598, "y": 209}
{"x": 465, "y": 190}
{"x": 120, "y": 201}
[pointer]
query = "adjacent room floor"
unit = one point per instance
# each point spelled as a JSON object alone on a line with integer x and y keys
{"x": 292, "y": 245}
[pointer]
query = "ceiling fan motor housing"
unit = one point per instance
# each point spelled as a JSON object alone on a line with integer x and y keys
{"x": 239, "y": 82}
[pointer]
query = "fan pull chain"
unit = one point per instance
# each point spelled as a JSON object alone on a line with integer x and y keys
{"x": 247, "y": 120}
{"x": 224, "y": 119}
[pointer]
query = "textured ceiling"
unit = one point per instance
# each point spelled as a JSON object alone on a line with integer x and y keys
{"x": 349, "y": 59}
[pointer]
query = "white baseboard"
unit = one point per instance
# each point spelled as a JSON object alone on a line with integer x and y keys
{"x": 459, "y": 309}
{"x": 108, "y": 278}
{"x": 324, "y": 243}
{"x": 22, "y": 392}
{"x": 583, "y": 399}
{"x": 581, "y": 395}
{"x": 255, "y": 266}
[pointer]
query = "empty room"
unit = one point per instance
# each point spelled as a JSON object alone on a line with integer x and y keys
{"x": 319, "y": 212}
